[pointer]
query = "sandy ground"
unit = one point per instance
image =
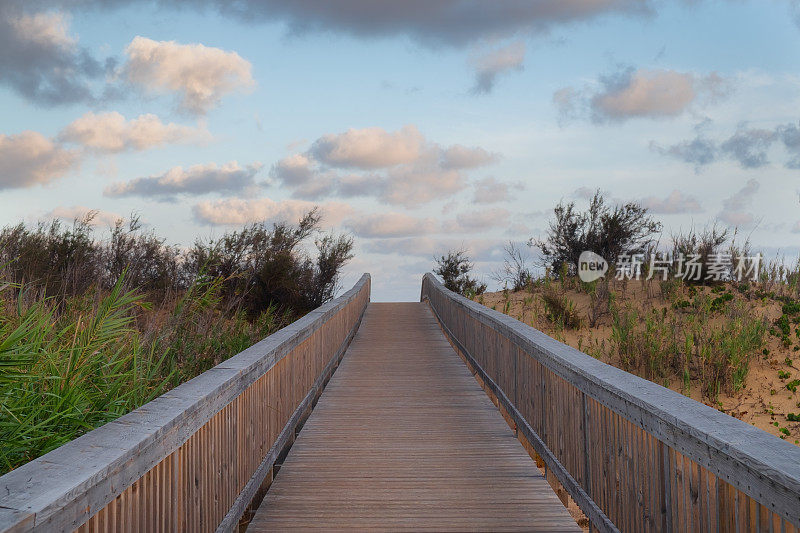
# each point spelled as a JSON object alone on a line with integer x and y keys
{"x": 764, "y": 400}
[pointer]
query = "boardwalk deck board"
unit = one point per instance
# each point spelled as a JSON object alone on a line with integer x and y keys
{"x": 404, "y": 438}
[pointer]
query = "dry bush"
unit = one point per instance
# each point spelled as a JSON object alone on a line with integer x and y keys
{"x": 559, "y": 309}
{"x": 600, "y": 300}
{"x": 703, "y": 246}
{"x": 515, "y": 273}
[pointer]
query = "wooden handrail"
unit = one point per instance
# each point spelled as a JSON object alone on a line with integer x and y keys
{"x": 193, "y": 458}
{"x": 633, "y": 455}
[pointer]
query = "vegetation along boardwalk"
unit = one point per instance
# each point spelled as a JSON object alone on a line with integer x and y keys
{"x": 366, "y": 416}
{"x": 404, "y": 438}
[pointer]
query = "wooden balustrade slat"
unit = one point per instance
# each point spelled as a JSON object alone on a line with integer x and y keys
{"x": 656, "y": 460}
{"x": 192, "y": 459}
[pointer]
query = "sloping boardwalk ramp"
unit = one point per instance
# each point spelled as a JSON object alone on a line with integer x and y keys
{"x": 403, "y": 437}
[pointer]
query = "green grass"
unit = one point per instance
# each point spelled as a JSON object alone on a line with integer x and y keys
{"x": 560, "y": 310}
{"x": 70, "y": 365}
{"x": 690, "y": 346}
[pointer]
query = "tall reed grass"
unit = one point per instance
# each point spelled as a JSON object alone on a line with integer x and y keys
{"x": 70, "y": 365}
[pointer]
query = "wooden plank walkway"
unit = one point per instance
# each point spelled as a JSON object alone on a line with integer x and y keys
{"x": 403, "y": 437}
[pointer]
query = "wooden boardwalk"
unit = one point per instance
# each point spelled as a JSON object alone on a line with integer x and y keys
{"x": 403, "y": 437}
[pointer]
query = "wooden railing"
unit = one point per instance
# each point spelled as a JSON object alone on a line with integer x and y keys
{"x": 194, "y": 458}
{"x": 633, "y": 455}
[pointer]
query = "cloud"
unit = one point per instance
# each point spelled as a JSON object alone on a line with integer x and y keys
{"x": 490, "y": 191}
{"x": 396, "y": 225}
{"x": 40, "y": 61}
{"x": 420, "y": 184}
{"x": 734, "y": 208}
{"x": 569, "y": 103}
{"x": 638, "y": 93}
{"x": 29, "y": 158}
{"x": 390, "y": 225}
{"x": 320, "y": 187}
{"x": 676, "y": 202}
{"x": 293, "y": 170}
{"x": 583, "y": 193}
{"x": 424, "y": 246}
{"x": 359, "y": 185}
{"x": 432, "y": 24}
{"x": 749, "y": 146}
{"x": 439, "y": 23}
{"x": 790, "y": 136}
{"x": 369, "y": 148}
{"x": 79, "y": 212}
{"x": 477, "y": 221}
{"x": 193, "y": 181}
{"x": 396, "y": 167}
{"x": 699, "y": 151}
{"x": 642, "y": 93}
{"x": 794, "y": 10}
{"x": 796, "y": 227}
{"x": 489, "y": 65}
{"x": 111, "y": 132}
{"x": 518, "y": 228}
{"x": 200, "y": 75}
{"x": 302, "y": 174}
{"x": 237, "y": 211}
{"x": 458, "y": 156}
{"x": 444, "y": 22}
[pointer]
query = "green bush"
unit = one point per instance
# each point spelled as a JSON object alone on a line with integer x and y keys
{"x": 261, "y": 265}
{"x": 454, "y": 269}
{"x": 604, "y": 229}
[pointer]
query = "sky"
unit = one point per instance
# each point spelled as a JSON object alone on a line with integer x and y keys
{"x": 416, "y": 126}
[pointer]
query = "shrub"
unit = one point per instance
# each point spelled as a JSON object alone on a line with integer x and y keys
{"x": 600, "y": 298}
{"x": 607, "y": 231}
{"x": 261, "y": 265}
{"x": 514, "y": 273}
{"x": 59, "y": 259}
{"x": 670, "y": 288}
{"x": 718, "y": 303}
{"x": 454, "y": 269}
{"x": 63, "y": 260}
{"x": 783, "y": 325}
{"x": 264, "y": 265}
{"x": 701, "y": 246}
{"x": 149, "y": 263}
{"x": 791, "y": 307}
